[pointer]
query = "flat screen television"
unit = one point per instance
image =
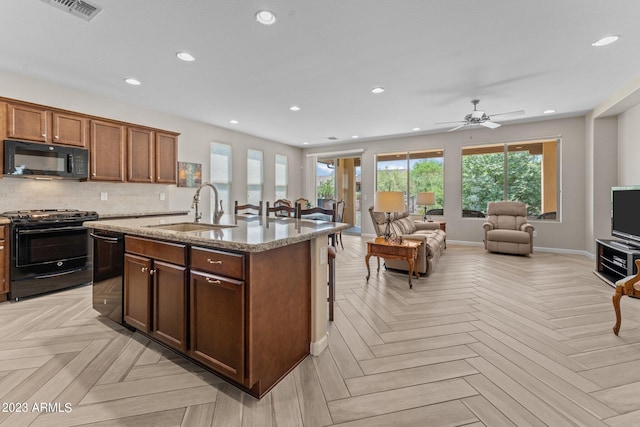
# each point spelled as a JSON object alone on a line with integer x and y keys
{"x": 625, "y": 214}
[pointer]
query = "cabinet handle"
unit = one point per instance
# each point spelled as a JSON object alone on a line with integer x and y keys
{"x": 213, "y": 281}
{"x": 44, "y": 135}
{"x": 152, "y": 272}
{"x": 1, "y": 248}
{"x": 144, "y": 269}
{"x": 56, "y": 137}
{"x": 211, "y": 261}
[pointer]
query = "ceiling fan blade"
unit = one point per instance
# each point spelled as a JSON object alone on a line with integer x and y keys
{"x": 458, "y": 127}
{"x": 490, "y": 124}
{"x": 448, "y": 123}
{"x": 510, "y": 113}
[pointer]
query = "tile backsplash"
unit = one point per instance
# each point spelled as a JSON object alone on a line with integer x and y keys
{"x": 21, "y": 193}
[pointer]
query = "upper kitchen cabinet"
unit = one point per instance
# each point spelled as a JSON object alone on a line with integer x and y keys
{"x": 26, "y": 122}
{"x": 33, "y": 123}
{"x": 166, "y": 158}
{"x": 140, "y": 147}
{"x": 151, "y": 156}
{"x": 107, "y": 151}
{"x": 69, "y": 129}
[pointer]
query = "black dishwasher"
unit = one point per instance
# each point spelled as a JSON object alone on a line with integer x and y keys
{"x": 108, "y": 261}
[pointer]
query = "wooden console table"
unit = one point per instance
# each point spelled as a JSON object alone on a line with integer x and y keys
{"x": 407, "y": 250}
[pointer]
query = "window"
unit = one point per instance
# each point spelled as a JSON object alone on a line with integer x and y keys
{"x": 282, "y": 177}
{"x": 254, "y": 176}
{"x": 221, "y": 173}
{"x": 412, "y": 172}
{"x": 521, "y": 171}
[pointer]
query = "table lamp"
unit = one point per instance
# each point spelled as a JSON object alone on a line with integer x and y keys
{"x": 389, "y": 201}
{"x": 426, "y": 199}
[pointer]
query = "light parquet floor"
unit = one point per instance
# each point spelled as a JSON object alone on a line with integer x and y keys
{"x": 487, "y": 339}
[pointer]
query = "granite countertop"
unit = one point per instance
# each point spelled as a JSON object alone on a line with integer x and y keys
{"x": 140, "y": 214}
{"x": 247, "y": 233}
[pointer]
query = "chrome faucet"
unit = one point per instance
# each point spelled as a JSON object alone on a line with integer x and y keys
{"x": 217, "y": 212}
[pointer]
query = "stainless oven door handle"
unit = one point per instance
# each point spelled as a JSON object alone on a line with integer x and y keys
{"x": 51, "y": 230}
{"x": 112, "y": 240}
{"x": 59, "y": 274}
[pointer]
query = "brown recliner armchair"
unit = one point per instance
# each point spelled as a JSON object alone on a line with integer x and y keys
{"x": 507, "y": 229}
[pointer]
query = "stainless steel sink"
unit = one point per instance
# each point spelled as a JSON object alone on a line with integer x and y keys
{"x": 187, "y": 227}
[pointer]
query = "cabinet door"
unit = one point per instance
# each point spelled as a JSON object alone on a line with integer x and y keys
{"x": 26, "y": 122}
{"x": 217, "y": 323}
{"x": 170, "y": 304}
{"x": 166, "y": 158}
{"x": 69, "y": 129}
{"x": 107, "y": 151}
{"x": 137, "y": 292}
{"x": 4, "y": 260}
{"x": 140, "y": 155}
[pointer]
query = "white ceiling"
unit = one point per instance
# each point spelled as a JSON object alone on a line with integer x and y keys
{"x": 431, "y": 56}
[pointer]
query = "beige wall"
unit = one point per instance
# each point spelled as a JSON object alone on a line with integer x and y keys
{"x": 568, "y": 234}
{"x": 629, "y": 147}
{"x": 194, "y": 145}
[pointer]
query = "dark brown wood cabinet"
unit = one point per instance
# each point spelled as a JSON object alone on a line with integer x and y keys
{"x": 107, "y": 151}
{"x": 245, "y": 316}
{"x": 166, "y": 158}
{"x": 170, "y": 304}
{"x": 140, "y": 155}
{"x": 217, "y": 323}
{"x": 4, "y": 262}
{"x": 155, "y": 289}
{"x": 27, "y": 122}
{"x": 137, "y": 292}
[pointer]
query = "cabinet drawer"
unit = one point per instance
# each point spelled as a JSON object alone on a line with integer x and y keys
{"x": 218, "y": 262}
{"x": 174, "y": 253}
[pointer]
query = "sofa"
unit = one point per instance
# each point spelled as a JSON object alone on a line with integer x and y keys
{"x": 429, "y": 233}
{"x": 507, "y": 229}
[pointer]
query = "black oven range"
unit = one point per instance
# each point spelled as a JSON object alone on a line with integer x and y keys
{"x": 50, "y": 250}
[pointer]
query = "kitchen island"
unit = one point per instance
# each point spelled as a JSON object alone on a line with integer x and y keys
{"x": 246, "y": 298}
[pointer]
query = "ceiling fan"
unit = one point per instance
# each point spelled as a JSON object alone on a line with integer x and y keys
{"x": 477, "y": 117}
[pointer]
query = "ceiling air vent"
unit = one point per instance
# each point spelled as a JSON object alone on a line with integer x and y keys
{"x": 80, "y": 8}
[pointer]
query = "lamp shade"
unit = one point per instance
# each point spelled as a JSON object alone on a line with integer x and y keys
{"x": 426, "y": 198}
{"x": 389, "y": 201}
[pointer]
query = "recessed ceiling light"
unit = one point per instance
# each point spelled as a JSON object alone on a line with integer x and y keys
{"x": 265, "y": 17}
{"x": 132, "y": 81}
{"x": 234, "y": 122}
{"x": 377, "y": 90}
{"x": 186, "y": 57}
{"x": 605, "y": 41}
{"x": 294, "y": 108}
{"x": 414, "y": 129}
{"x": 305, "y": 143}
{"x": 354, "y": 136}
{"x": 549, "y": 111}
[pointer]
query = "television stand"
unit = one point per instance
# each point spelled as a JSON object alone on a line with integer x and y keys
{"x": 624, "y": 245}
{"x": 615, "y": 260}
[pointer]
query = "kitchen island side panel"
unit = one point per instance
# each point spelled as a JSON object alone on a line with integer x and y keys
{"x": 279, "y": 313}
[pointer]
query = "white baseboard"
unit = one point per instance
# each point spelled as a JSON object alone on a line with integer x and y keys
{"x": 318, "y": 347}
{"x": 535, "y": 248}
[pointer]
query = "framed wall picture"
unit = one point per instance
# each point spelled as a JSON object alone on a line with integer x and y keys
{"x": 189, "y": 174}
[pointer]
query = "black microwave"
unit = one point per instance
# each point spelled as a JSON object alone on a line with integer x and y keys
{"x": 35, "y": 160}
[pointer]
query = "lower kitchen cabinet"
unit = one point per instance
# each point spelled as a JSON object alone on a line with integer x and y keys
{"x": 170, "y": 304}
{"x": 155, "y": 289}
{"x": 137, "y": 292}
{"x": 242, "y": 315}
{"x": 217, "y": 323}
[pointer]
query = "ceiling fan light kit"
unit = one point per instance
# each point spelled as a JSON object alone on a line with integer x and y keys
{"x": 477, "y": 117}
